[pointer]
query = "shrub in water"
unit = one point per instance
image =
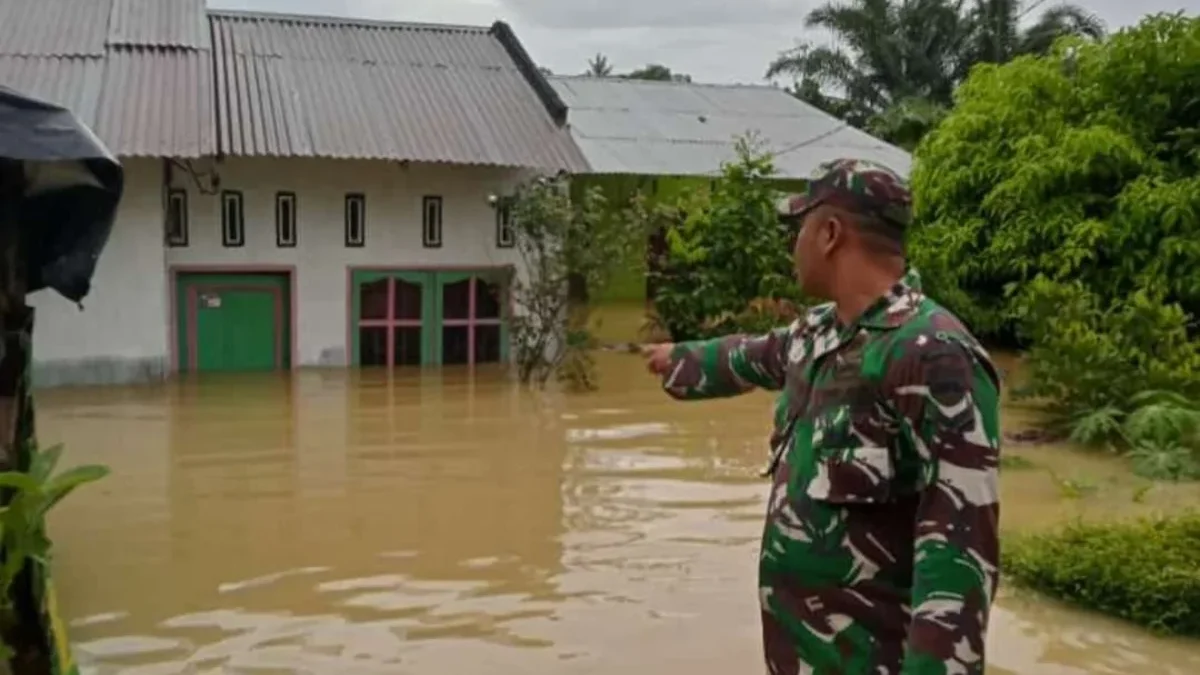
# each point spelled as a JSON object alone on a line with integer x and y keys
{"x": 1145, "y": 571}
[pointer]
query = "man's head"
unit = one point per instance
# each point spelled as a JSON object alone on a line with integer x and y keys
{"x": 849, "y": 222}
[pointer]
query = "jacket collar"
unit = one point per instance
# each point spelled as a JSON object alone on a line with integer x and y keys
{"x": 890, "y": 311}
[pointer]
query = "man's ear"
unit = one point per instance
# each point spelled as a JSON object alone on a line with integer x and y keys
{"x": 832, "y": 233}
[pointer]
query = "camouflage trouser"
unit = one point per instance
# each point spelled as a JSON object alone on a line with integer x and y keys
{"x": 827, "y": 606}
{"x": 804, "y": 635}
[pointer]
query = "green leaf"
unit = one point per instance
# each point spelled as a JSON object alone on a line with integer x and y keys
{"x": 18, "y": 481}
{"x": 44, "y": 461}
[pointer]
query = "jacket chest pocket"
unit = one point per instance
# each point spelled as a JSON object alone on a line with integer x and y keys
{"x": 850, "y": 468}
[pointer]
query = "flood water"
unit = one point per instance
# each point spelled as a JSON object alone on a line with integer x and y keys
{"x": 333, "y": 522}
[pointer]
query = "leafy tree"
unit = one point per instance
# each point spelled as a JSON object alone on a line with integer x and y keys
{"x": 728, "y": 264}
{"x": 1060, "y": 202}
{"x": 657, "y": 72}
{"x": 559, "y": 240}
{"x": 907, "y": 122}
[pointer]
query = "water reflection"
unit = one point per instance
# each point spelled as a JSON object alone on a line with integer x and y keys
{"x": 339, "y": 522}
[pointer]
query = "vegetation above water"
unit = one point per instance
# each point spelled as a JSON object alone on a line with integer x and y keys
{"x": 1059, "y": 205}
{"x": 565, "y": 243}
{"x": 1057, "y": 209}
{"x": 23, "y": 538}
{"x": 727, "y": 266}
{"x": 1147, "y": 571}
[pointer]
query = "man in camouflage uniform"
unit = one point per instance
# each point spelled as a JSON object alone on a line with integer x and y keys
{"x": 880, "y": 551}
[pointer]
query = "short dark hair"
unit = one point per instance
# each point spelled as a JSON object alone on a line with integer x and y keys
{"x": 879, "y": 234}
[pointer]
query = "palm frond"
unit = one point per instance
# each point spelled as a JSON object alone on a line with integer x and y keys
{"x": 1057, "y": 22}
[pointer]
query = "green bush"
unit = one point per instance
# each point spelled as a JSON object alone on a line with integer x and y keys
{"x": 1087, "y": 354}
{"x": 728, "y": 259}
{"x": 1082, "y": 166}
{"x": 1123, "y": 376}
{"x": 563, "y": 241}
{"x": 1160, "y": 431}
{"x": 1146, "y": 571}
{"x": 1058, "y": 205}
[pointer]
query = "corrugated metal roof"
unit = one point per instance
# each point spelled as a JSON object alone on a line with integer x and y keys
{"x": 53, "y": 27}
{"x": 323, "y": 87}
{"x": 682, "y": 129}
{"x": 158, "y": 103}
{"x": 148, "y": 92}
{"x": 157, "y": 23}
{"x": 73, "y": 82}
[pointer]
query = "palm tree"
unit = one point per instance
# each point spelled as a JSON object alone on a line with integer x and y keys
{"x": 896, "y": 62}
{"x": 599, "y": 66}
{"x": 809, "y": 91}
{"x": 999, "y": 38}
{"x": 887, "y": 52}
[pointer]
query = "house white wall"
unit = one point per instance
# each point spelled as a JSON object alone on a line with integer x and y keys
{"x": 125, "y": 333}
{"x": 120, "y": 335}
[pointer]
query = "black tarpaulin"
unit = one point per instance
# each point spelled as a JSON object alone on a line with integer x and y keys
{"x": 71, "y": 187}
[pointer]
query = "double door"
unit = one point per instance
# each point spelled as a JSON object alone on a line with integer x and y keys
{"x": 412, "y": 318}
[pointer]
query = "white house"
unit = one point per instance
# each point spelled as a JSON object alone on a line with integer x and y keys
{"x": 299, "y": 190}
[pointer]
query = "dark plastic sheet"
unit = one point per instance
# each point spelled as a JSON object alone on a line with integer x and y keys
{"x": 72, "y": 185}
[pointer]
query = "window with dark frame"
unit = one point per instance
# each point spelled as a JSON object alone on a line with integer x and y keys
{"x": 392, "y": 322}
{"x": 177, "y": 218}
{"x": 356, "y": 220}
{"x": 505, "y": 238}
{"x": 431, "y": 231}
{"x": 472, "y": 323}
{"x": 233, "y": 225}
{"x": 285, "y": 219}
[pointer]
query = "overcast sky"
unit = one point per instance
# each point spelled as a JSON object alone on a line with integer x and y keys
{"x": 713, "y": 40}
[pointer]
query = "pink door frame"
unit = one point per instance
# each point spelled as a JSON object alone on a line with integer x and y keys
{"x": 173, "y": 272}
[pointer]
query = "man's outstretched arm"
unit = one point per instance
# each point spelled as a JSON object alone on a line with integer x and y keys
{"x": 948, "y": 399}
{"x": 726, "y": 366}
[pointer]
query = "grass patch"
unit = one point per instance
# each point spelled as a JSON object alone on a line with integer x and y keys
{"x": 1145, "y": 571}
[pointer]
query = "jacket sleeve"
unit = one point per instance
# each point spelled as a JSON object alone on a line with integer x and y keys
{"x": 947, "y": 393}
{"x": 728, "y": 366}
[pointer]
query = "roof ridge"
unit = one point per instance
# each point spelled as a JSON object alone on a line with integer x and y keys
{"x": 668, "y": 83}
{"x": 281, "y": 17}
{"x": 810, "y": 111}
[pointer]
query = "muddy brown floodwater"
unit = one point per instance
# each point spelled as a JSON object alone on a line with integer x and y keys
{"x": 343, "y": 523}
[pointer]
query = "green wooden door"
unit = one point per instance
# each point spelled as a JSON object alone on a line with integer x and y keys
{"x": 235, "y": 330}
{"x": 233, "y": 322}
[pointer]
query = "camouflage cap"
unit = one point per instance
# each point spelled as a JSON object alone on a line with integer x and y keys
{"x": 857, "y": 185}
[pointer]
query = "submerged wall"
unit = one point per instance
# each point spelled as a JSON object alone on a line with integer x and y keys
{"x": 125, "y": 332}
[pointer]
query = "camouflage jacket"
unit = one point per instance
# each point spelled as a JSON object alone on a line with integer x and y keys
{"x": 880, "y": 552}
